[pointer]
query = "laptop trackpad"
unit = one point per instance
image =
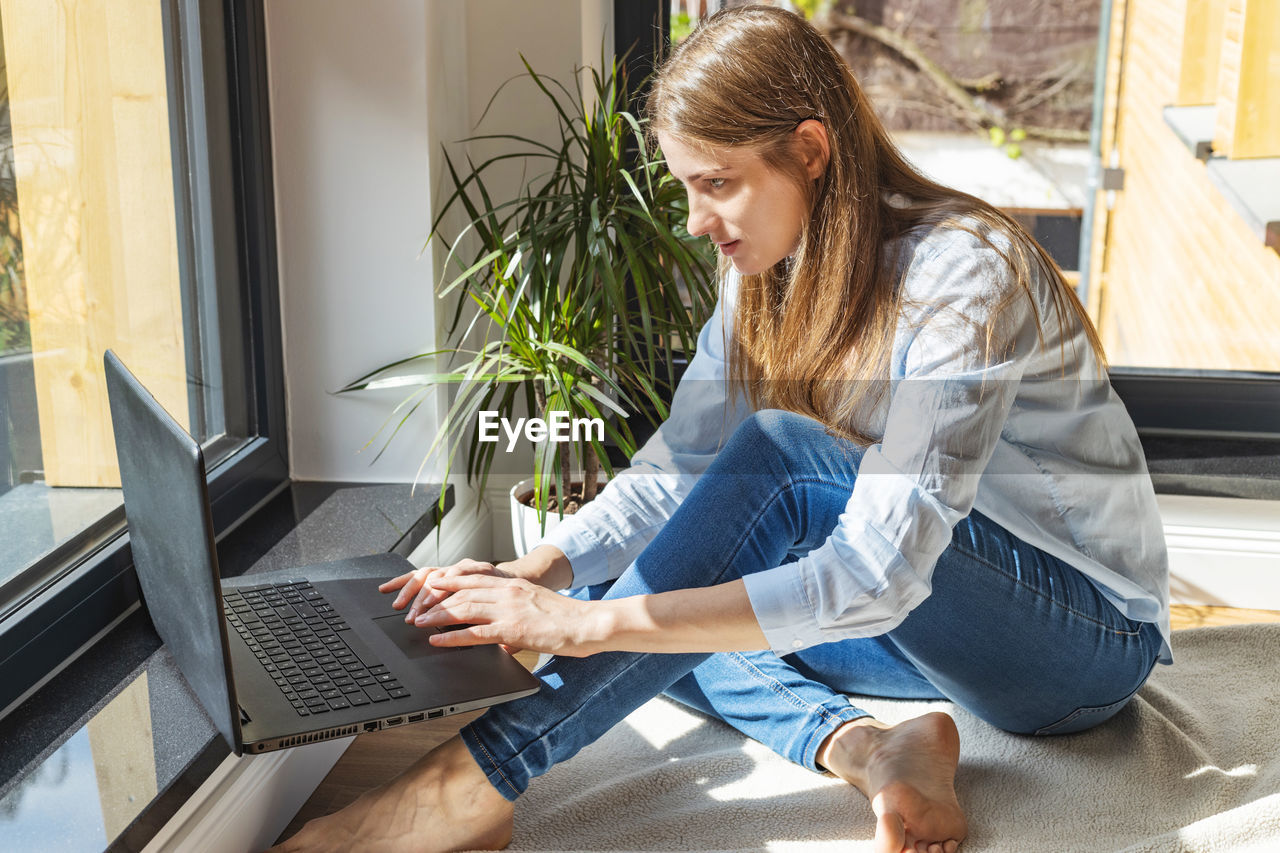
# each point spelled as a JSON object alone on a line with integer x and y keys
{"x": 410, "y": 639}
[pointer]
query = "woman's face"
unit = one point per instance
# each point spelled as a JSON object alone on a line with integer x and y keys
{"x": 752, "y": 212}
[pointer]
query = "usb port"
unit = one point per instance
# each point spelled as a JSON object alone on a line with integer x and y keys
{"x": 417, "y": 718}
{"x": 431, "y": 715}
{"x": 395, "y": 721}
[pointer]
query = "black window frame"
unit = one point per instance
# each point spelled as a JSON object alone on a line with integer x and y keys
{"x": 641, "y": 32}
{"x": 215, "y": 57}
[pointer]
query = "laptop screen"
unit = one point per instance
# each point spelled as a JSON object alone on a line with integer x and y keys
{"x": 166, "y": 503}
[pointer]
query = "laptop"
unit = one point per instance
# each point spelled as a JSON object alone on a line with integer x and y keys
{"x": 311, "y": 654}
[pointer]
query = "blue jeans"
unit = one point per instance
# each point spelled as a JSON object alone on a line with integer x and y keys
{"x": 1017, "y": 637}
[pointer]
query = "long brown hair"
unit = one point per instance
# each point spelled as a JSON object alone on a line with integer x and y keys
{"x": 746, "y": 78}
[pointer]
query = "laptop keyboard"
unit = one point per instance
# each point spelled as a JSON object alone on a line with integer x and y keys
{"x": 317, "y": 661}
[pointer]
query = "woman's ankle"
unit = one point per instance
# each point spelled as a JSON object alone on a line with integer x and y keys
{"x": 454, "y": 759}
{"x": 847, "y": 751}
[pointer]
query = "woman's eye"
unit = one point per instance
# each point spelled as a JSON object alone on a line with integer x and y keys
{"x": 716, "y": 183}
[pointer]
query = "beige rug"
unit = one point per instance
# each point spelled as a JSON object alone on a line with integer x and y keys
{"x": 1192, "y": 764}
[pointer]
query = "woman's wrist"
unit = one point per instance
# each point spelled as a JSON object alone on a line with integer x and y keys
{"x": 545, "y": 565}
{"x": 614, "y": 625}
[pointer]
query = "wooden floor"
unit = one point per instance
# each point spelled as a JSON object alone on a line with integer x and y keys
{"x": 375, "y": 758}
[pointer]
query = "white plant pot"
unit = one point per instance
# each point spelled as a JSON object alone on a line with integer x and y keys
{"x": 525, "y": 529}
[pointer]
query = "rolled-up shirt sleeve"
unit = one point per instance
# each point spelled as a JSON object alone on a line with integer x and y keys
{"x": 951, "y": 389}
{"x": 607, "y": 534}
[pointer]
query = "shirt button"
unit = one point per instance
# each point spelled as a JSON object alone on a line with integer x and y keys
{"x": 795, "y": 644}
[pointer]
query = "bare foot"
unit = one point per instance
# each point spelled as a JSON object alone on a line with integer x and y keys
{"x": 908, "y": 773}
{"x": 441, "y": 803}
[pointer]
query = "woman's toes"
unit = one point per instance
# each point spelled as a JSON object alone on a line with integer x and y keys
{"x": 891, "y": 835}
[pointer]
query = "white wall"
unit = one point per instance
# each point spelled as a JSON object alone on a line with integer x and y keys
{"x": 362, "y": 97}
{"x": 349, "y": 132}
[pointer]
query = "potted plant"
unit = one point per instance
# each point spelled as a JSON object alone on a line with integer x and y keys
{"x": 584, "y": 289}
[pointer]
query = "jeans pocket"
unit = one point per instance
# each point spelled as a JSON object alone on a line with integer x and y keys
{"x": 1091, "y": 715}
{"x": 1084, "y": 718}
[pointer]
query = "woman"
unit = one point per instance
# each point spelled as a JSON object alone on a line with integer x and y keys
{"x": 895, "y": 467}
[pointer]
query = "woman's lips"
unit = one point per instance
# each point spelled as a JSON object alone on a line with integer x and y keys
{"x": 729, "y": 248}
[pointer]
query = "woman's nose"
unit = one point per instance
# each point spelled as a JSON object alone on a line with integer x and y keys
{"x": 700, "y": 219}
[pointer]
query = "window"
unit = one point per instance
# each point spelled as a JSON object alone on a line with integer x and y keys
{"x": 135, "y": 214}
{"x": 1181, "y": 277}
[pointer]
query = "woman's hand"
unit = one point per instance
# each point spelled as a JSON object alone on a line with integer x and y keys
{"x": 545, "y": 565}
{"x": 515, "y": 613}
{"x": 419, "y": 585}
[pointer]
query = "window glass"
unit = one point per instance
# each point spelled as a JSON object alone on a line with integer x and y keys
{"x": 89, "y": 260}
{"x": 1184, "y": 272}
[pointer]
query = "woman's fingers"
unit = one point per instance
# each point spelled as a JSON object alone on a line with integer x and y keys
{"x": 411, "y": 589}
{"x": 425, "y": 588}
{"x": 511, "y": 612}
{"x": 456, "y": 582}
{"x": 428, "y": 596}
{"x": 472, "y": 635}
{"x": 396, "y": 583}
{"x": 443, "y": 596}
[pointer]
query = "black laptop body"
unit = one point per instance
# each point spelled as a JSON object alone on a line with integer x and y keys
{"x": 284, "y": 658}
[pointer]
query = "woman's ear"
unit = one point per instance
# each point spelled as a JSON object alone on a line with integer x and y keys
{"x": 814, "y": 147}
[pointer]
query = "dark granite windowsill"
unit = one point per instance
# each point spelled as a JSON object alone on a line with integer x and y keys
{"x": 44, "y": 743}
{"x": 1214, "y": 467}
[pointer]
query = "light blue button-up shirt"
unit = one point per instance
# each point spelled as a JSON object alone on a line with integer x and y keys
{"x": 1033, "y": 437}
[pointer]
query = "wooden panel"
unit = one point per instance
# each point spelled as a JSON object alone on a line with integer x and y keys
{"x": 1186, "y": 284}
{"x": 1201, "y": 50}
{"x": 1231, "y": 53}
{"x": 124, "y": 761}
{"x": 1248, "y": 119}
{"x": 95, "y": 200}
{"x": 1202, "y": 616}
{"x": 1101, "y": 201}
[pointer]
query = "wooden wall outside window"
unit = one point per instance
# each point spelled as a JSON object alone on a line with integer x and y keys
{"x": 89, "y": 110}
{"x": 1248, "y": 96}
{"x": 1178, "y": 279}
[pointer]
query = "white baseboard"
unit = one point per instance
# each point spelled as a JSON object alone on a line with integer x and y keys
{"x": 248, "y": 801}
{"x": 1222, "y": 551}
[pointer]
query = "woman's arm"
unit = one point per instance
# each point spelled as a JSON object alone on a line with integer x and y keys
{"x": 708, "y": 619}
{"x": 522, "y": 614}
{"x": 545, "y": 565}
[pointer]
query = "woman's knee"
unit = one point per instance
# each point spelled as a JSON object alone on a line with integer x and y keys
{"x": 773, "y": 427}
{"x": 796, "y": 441}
